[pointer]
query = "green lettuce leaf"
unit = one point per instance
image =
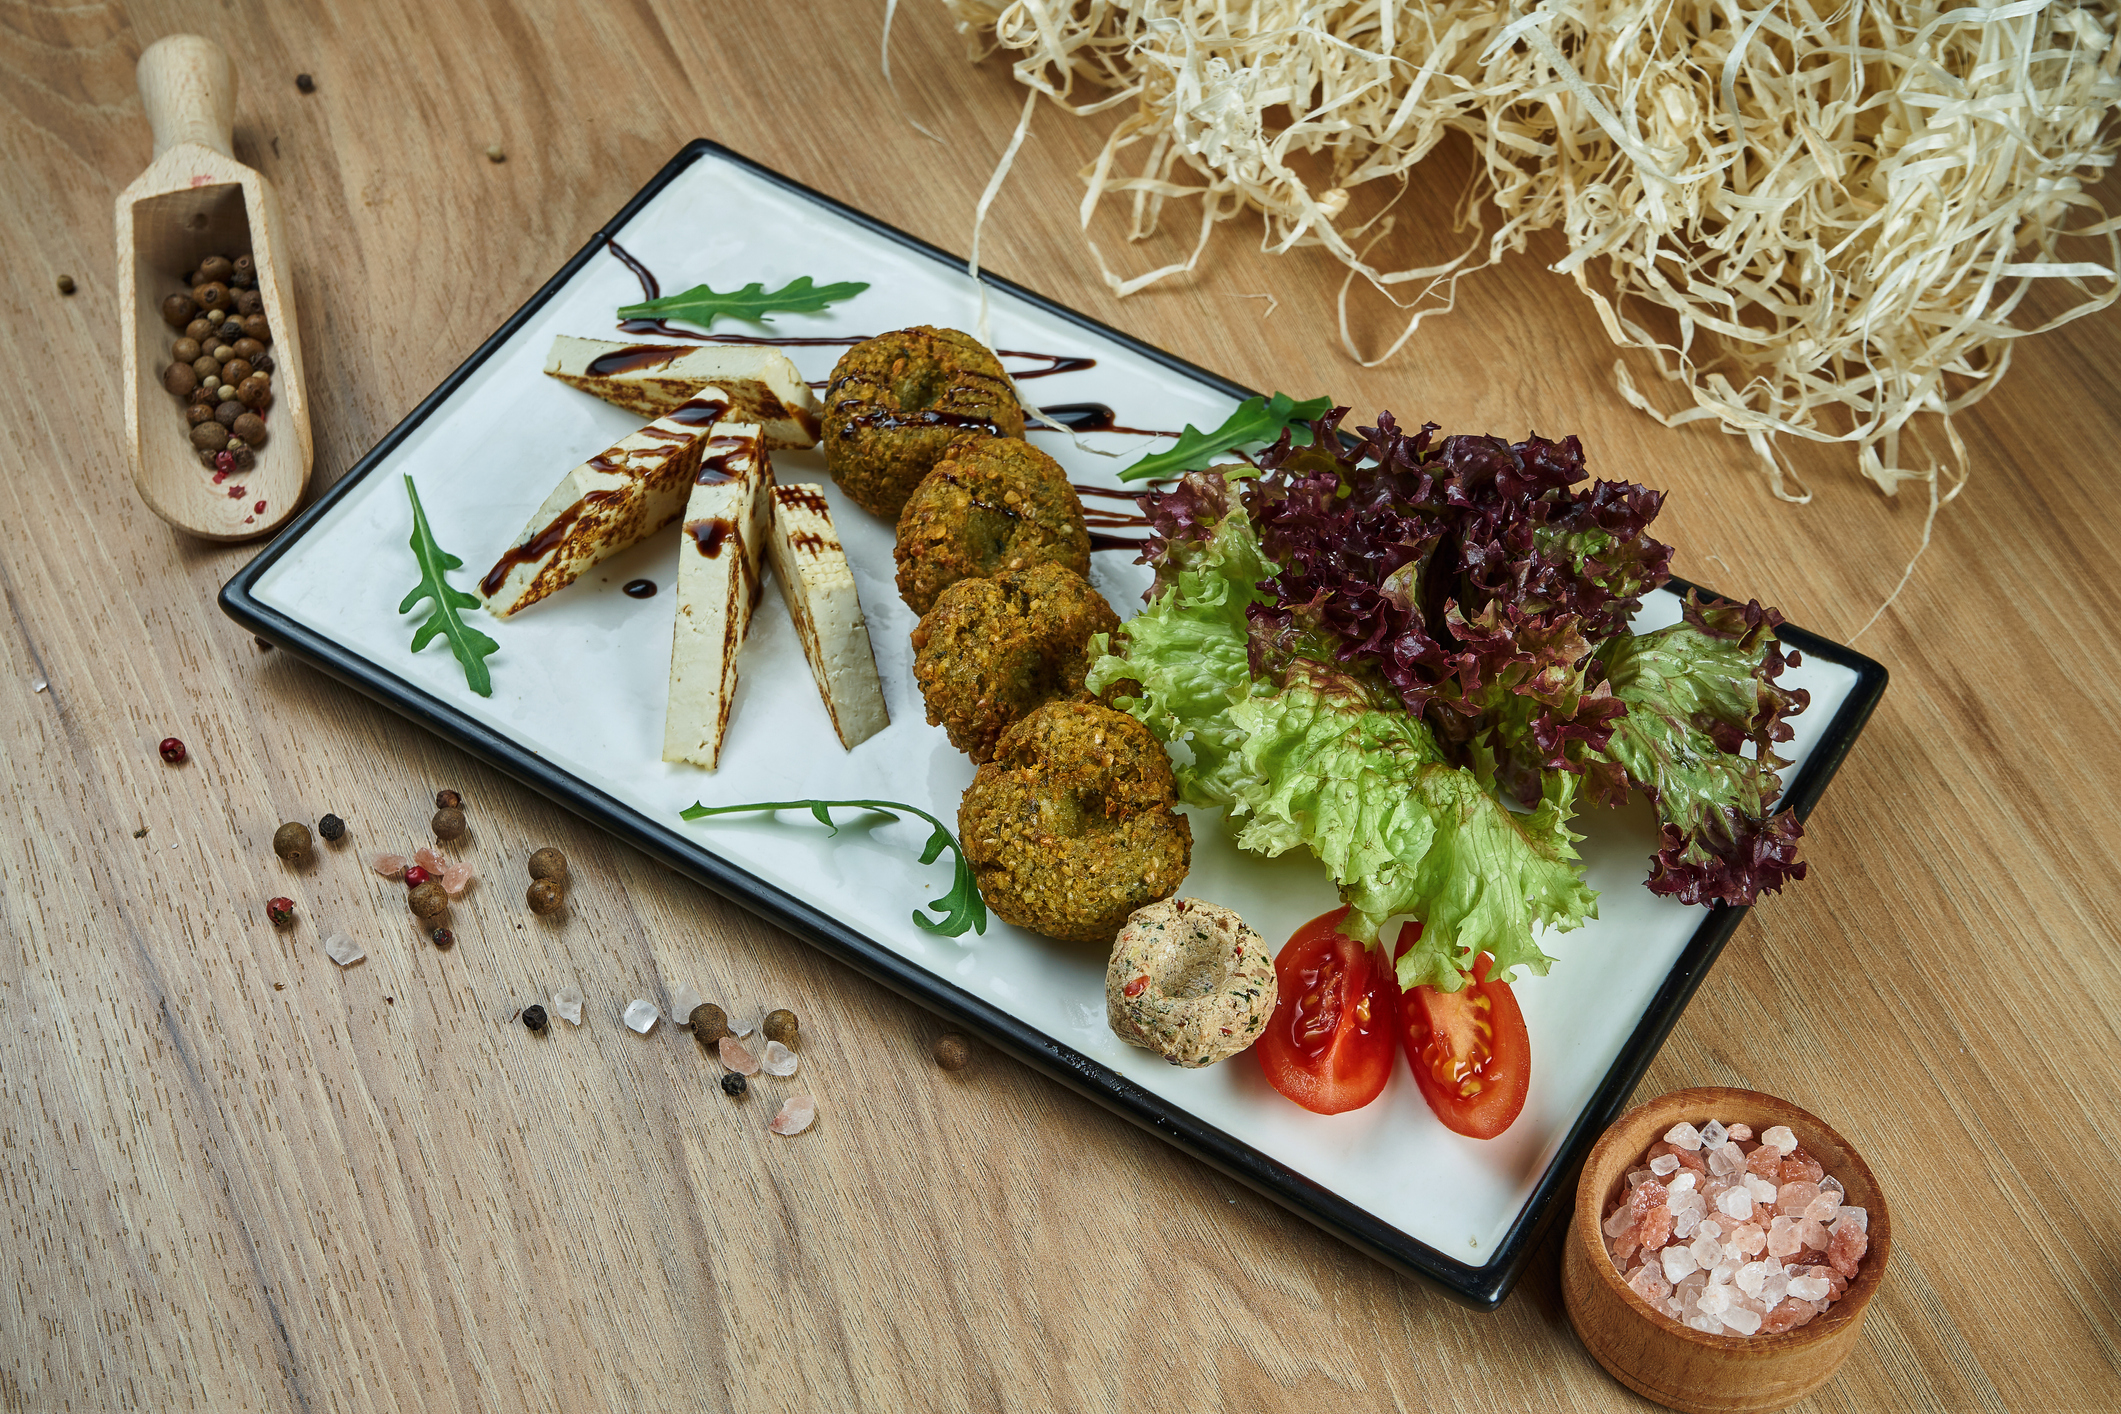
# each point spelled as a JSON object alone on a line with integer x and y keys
{"x": 1403, "y": 831}
{"x": 1317, "y": 763}
{"x": 1694, "y": 697}
{"x": 1187, "y": 654}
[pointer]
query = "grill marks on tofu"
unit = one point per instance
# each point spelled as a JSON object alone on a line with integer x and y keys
{"x": 818, "y": 586}
{"x": 727, "y": 517}
{"x": 761, "y": 385}
{"x": 609, "y": 503}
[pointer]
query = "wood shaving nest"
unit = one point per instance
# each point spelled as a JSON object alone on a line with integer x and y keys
{"x": 1818, "y": 220}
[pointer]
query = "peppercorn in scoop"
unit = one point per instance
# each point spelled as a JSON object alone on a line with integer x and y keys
{"x": 221, "y": 367}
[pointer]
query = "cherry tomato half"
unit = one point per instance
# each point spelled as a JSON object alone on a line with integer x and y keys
{"x": 1468, "y": 1049}
{"x": 1328, "y": 1046}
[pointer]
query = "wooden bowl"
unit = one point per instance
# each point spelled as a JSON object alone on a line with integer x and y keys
{"x": 1663, "y": 1360}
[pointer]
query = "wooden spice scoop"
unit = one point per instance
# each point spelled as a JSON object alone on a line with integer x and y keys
{"x": 196, "y": 200}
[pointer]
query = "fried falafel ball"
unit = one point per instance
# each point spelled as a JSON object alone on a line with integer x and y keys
{"x": 1070, "y": 828}
{"x": 897, "y": 400}
{"x": 991, "y": 504}
{"x": 992, "y": 651}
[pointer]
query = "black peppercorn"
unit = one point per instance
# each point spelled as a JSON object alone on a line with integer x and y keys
{"x": 66, "y": 284}
{"x": 331, "y": 826}
{"x": 734, "y": 1085}
{"x": 443, "y": 938}
{"x": 448, "y": 800}
{"x": 305, "y": 84}
{"x": 534, "y": 1017}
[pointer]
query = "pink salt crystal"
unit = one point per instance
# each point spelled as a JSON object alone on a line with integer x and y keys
{"x": 1750, "y": 1238}
{"x": 1812, "y": 1233}
{"x": 1656, "y": 1227}
{"x": 1739, "y": 1132}
{"x": 1800, "y": 1167}
{"x": 1735, "y": 1202}
{"x": 736, "y": 1058}
{"x": 1638, "y": 1176}
{"x": 1619, "y": 1220}
{"x": 1782, "y": 1238}
{"x": 1845, "y": 1249}
{"x": 1664, "y": 1166}
{"x": 1793, "y": 1198}
{"x": 1647, "y": 1195}
{"x": 1648, "y": 1282}
{"x": 1825, "y": 1207}
{"x": 1787, "y": 1316}
{"x": 1780, "y": 1137}
{"x": 1742, "y": 1319}
{"x": 796, "y": 1113}
{"x": 1766, "y": 1162}
{"x": 1689, "y": 1157}
{"x": 1627, "y": 1245}
{"x": 427, "y": 859}
{"x": 388, "y": 866}
{"x": 1680, "y": 1268}
{"x": 454, "y": 878}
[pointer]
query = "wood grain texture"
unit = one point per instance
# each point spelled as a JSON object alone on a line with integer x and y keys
{"x": 239, "y": 1178}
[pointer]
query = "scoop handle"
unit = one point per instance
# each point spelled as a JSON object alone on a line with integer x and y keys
{"x": 188, "y": 87}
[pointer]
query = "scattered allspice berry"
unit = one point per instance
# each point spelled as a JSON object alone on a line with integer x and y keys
{"x": 448, "y": 824}
{"x": 66, "y": 284}
{"x": 448, "y": 800}
{"x": 291, "y": 841}
{"x": 549, "y": 863}
{"x": 534, "y": 1017}
{"x": 281, "y": 911}
{"x": 495, "y": 153}
{"x": 780, "y": 1026}
{"x": 543, "y": 896}
{"x": 951, "y": 1052}
{"x": 734, "y": 1085}
{"x": 443, "y": 938}
{"x": 428, "y": 900}
{"x": 332, "y": 828}
{"x": 709, "y": 1024}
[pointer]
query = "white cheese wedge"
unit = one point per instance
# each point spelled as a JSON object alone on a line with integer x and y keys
{"x": 727, "y": 517}
{"x": 819, "y": 589}
{"x": 615, "y": 500}
{"x": 760, "y": 384}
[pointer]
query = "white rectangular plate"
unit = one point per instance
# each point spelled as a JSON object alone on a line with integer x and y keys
{"x": 580, "y": 681}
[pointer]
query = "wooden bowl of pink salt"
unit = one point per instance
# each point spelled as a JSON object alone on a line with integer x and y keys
{"x": 1723, "y": 1249}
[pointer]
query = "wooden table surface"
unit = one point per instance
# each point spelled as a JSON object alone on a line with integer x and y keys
{"x": 238, "y": 1178}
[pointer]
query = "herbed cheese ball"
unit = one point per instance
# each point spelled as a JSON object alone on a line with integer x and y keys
{"x": 1070, "y": 828}
{"x": 992, "y": 651}
{"x": 896, "y": 401}
{"x": 991, "y": 504}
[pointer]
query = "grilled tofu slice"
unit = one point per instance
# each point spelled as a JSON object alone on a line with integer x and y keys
{"x": 614, "y": 500}
{"x": 819, "y": 589}
{"x": 727, "y": 517}
{"x": 760, "y": 384}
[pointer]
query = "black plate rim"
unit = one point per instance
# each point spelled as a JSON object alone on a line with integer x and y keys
{"x": 1482, "y": 1287}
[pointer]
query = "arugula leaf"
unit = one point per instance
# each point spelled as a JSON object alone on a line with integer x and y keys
{"x": 1256, "y": 420}
{"x": 702, "y": 306}
{"x": 960, "y": 909}
{"x": 470, "y": 646}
